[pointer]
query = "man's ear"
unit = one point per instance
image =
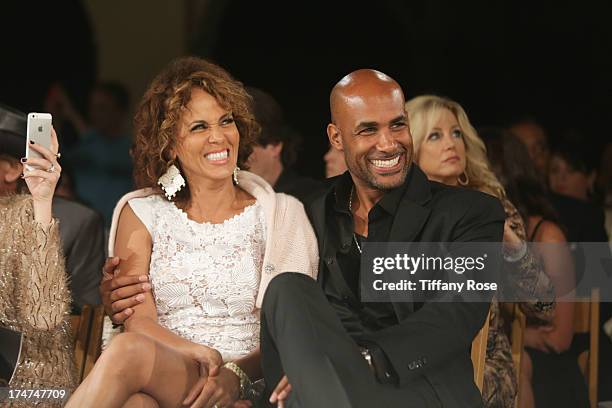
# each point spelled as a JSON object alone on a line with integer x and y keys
{"x": 333, "y": 134}
{"x": 276, "y": 149}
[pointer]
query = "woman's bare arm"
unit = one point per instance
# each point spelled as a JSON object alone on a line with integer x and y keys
{"x": 558, "y": 264}
{"x": 133, "y": 246}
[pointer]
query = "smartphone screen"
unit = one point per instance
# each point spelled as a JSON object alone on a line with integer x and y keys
{"x": 39, "y": 130}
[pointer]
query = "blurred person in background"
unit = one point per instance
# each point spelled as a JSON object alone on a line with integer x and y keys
{"x": 276, "y": 150}
{"x": 100, "y": 162}
{"x": 535, "y": 139}
{"x": 571, "y": 172}
{"x": 448, "y": 149}
{"x": 335, "y": 164}
{"x": 34, "y": 295}
{"x": 81, "y": 228}
{"x": 549, "y": 365}
{"x": 580, "y": 219}
{"x": 572, "y": 176}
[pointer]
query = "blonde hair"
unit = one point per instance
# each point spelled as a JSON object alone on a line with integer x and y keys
{"x": 424, "y": 111}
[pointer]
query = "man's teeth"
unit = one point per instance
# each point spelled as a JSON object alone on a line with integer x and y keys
{"x": 217, "y": 156}
{"x": 386, "y": 163}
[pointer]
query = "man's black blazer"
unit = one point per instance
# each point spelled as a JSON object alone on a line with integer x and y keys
{"x": 437, "y": 336}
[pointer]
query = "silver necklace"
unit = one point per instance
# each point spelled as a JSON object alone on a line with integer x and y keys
{"x": 351, "y": 211}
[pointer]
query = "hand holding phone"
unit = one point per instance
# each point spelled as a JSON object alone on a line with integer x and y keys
{"x": 41, "y": 168}
{"x": 39, "y": 132}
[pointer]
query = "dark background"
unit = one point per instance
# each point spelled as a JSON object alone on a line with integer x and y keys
{"x": 499, "y": 59}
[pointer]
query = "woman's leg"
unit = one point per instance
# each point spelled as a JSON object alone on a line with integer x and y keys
{"x": 141, "y": 400}
{"x": 132, "y": 364}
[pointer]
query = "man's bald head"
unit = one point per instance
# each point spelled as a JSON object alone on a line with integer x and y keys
{"x": 370, "y": 125}
{"x": 358, "y": 85}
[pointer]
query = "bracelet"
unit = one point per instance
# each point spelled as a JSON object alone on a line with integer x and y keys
{"x": 516, "y": 255}
{"x": 245, "y": 381}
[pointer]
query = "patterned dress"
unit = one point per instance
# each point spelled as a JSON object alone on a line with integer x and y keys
{"x": 206, "y": 276}
{"x": 529, "y": 281}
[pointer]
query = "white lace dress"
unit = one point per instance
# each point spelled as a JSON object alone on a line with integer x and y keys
{"x": 206, "y": 276}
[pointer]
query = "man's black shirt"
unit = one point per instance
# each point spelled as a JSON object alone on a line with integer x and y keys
{"x": 341, "y": 285}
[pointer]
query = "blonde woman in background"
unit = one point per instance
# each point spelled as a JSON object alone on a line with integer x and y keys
{"x": 448, "y": 149}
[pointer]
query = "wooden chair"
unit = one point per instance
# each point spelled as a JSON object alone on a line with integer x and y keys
{"x": 80, "y": 329}
{"x": 87, "y": 334}
{"x": 479, "y": 353}
{"x": 586, "y": 320}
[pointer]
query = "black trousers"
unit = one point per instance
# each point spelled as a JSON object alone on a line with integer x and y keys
{"x": 302, "y": 337}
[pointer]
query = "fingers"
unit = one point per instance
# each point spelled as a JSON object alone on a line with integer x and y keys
{"x": 213, "y": 369}
{"x": 195, "y": 391}
{"x": 127, "y": 292}
{"x": 209, "y": 366}
{"x": 284, "y": 394}
{"x": 122, "y": 281}
{"x": 41, "y": 164}
{"x": 121, "y": 317}
{"x": 282, "y": 384}
{"x": 242, "y": 404}
{"x": 54, "y": 142}
{"x": 34, "y": 172}
{"x": 121, "y": 305}
{"x": 212, "y": 360}
{"x": 111, "y": 264}
{"x": 205, "y": 397}
{"x": 218, "y": 399}
{"x": 45, "y": 153}
{"x": 43, "y": 174}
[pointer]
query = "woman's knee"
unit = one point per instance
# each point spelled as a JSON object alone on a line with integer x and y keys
{"x": 141, "y": 400}
{"x": 127, "y": 349}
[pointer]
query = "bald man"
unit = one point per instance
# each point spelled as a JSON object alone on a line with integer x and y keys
{"x": 321, "y": 345}
{"x": 319, "y": 341}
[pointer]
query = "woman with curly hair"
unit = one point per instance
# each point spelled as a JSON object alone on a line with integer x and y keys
{"x": 210, "y": 238}
{"x": 448, "y": 149}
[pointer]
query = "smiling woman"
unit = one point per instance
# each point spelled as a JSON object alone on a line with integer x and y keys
{"x": 189, "y": 86}
{"x": 209, "y": 248}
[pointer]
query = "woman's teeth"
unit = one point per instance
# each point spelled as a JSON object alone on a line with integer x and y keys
{"x": 217, "y": 156}
{"x": 386, "y": 163}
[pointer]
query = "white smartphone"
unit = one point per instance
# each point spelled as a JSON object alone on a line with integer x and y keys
{"x": 39, "y": 131}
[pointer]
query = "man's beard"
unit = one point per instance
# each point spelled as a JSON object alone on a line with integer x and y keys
{"x": 361, "y": 170}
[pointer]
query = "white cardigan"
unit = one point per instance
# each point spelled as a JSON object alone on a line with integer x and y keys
{"x": 291, "y": 245}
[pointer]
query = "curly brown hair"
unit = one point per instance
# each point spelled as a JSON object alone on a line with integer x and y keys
{"x": 157, "y": 119}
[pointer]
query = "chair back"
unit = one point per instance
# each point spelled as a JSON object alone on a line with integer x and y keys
{"x": 586, "y": 320}
{"x": 479, "y": 353}
{"x": 87, "y": 335}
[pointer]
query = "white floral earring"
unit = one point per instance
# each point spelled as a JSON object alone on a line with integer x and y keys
{"x": 235, "y": 175}
{"x": 171, "y": 182}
